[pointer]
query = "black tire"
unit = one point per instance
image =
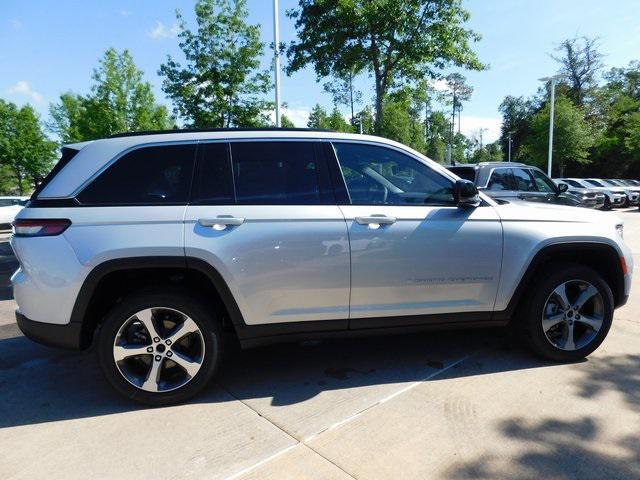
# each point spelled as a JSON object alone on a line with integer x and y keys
{"x": 199, "y": 311}
{"x": 529, "y": 320}
{"x": 607, "y": 203}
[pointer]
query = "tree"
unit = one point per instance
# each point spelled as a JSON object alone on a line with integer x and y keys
{"x": 285, "y": 122}
{"x": 516, "y": 119}
{"x": 337, "y": 123}
{"x": 438, "y": 134}
{"x": 572, "y": 137}
{"x": 460, "y": 92}
{"x": 580, "y": 62}
{"x": 395, "y": 40}
{"x": 318, "y": 118}
{"x": 25, "y": 151}
{"x": 221, "y": 83}
{"x": 120, "y": 101}
{"x": 343, "y": 91}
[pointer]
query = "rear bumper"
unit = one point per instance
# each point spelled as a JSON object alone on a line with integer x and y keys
{"x": 62, "y": 336}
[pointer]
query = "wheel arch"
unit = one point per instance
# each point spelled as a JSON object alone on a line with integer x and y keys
{"x": 110, "y": 280}
{"x": 601, "y": 257}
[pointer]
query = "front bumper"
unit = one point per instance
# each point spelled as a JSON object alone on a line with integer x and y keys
{"x": 62, "y": 336}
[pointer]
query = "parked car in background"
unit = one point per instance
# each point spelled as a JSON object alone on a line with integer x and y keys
{"x": 625, "y": 185}
{"x": 632, "y": 196}
{"x": 508, "y": 181}
{"x": 589, "y": 197}
{"x": 613, "y": 198}
{"x": 9, "y": 208}
{"x": 631, "y": 183}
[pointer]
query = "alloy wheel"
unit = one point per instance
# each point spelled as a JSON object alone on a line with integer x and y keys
{"x": 159, "y": 349}
{"x": 573, "y": 315}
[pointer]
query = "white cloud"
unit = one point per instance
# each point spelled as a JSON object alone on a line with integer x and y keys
{"x": 440, "y": 85}
{"x": 125, "y": 13}
{"x": 162, "y": 31}
{"x": 23, "y": 88}
{"x": 299, "y": 116}
{"x": 16, "y": 24}
{"x": 470, "y": 126}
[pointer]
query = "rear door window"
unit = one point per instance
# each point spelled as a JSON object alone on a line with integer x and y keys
{"x": 501, "y": 179}
{"x": 277, "y": 173}
{"x": 146, "y": 176}
{"x": 213, "y": 184}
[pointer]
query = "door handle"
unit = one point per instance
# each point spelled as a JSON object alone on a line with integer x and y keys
{"x": 221, "y": 222}
{"x": 376, "y": 220}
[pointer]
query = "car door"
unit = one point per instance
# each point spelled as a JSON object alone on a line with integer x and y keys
{"x": 526, "y": 186}
{"x": 264, "y": 216}
{"x": 414, "y": 253}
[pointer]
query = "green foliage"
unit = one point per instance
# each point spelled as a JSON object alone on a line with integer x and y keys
{"x": 516, "y": 118}
{"x": 285, "y": 122}
{"x": 572, "y": 136}
{"x": 26, "y": 154}
{"x": 580, "y": 62}
{"x": 395, "y": 40}
{"x": 220, "y": 84}
{"x": 120, "y": 101}
{"x": 437, "y": 137}
{"x": 319, "y": 118}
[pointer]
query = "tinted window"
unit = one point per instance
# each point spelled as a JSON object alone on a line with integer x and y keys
{"x": 523, "y": 180}
{"x": 543, "y": 183}
{"x": 276, "y": 173}
{"x": 501, "y": 179}
{"x": 6, "y": 202}
{"x": 213, "y": 182}
{"x": 152, "y": 175}
{"x": 382, "y": 176}
{"x": 594, "y": 183}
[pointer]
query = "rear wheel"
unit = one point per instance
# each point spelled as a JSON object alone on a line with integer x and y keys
{"x": 159, "y": 347}
{"x": 569, "y": 314}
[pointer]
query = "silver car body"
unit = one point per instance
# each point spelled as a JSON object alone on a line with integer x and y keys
{"x": 302, "y": 263}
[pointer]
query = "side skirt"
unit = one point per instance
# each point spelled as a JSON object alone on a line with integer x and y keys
{"x": 259, "y": 335}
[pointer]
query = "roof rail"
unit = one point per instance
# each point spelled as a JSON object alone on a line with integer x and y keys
{"x": 197, "y": 130}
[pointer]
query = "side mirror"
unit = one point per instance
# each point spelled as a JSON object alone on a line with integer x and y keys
{"x": 465, "y": 194}
{"x": 562, "y": 187}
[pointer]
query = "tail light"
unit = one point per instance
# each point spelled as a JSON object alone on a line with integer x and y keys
{"x": 40, "y": 228}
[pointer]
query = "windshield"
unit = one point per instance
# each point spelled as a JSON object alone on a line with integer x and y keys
{"x": 573, "y": 183}
{"x": 594, "y": 183}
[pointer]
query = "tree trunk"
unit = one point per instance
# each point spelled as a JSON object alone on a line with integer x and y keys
{"x": 380, "y": 92}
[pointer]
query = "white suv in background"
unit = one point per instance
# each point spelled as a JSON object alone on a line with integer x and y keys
{"x": 9, "y": 208}
{"x": 154, "y": 246}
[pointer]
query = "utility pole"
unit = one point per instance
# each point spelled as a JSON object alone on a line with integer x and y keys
{"x": 552, "y": 101}
{"x": 276, "y": 59}
{"x": 510, "y": 142}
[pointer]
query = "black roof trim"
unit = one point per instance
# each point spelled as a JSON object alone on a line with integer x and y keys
{"x": 200, "y": 130}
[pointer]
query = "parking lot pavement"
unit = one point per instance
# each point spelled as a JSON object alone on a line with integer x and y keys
{"x": 452, "y": 405}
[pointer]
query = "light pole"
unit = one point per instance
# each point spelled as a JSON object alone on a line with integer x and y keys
{"x": 276, "y": 59}
{"x": 553, "y": 81}
{"x": 510, "y": 142}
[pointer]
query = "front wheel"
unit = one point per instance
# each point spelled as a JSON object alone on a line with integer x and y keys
{"x": 569, "y": 314}
{"x": 159, "y": 347}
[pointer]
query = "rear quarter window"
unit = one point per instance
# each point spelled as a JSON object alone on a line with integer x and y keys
{"x": 146, "y": 176}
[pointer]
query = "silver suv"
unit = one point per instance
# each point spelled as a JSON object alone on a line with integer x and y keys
{"x": 161, "y": 247}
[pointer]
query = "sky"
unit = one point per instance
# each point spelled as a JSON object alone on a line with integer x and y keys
{"x": 50, "y": 47}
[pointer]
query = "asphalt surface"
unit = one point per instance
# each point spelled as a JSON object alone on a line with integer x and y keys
{"x": 458, "y": 405}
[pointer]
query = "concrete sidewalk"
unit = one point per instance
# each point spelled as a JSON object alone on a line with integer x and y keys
{"x": 441, "y": 406}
